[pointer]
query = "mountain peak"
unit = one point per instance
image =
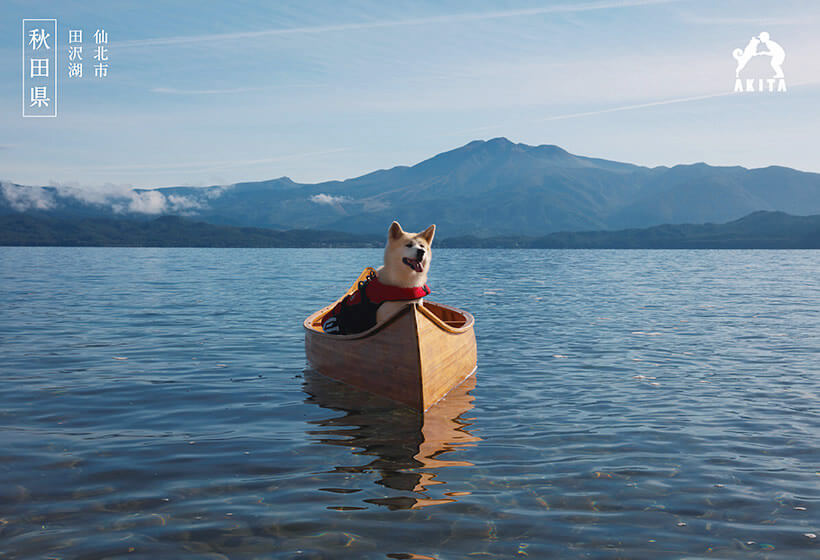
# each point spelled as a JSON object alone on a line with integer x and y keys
{"x": 282, "y": 182}
{"x": 503, "y": 144}
{"x": 499, "y": 141}
{"x": 494, "y": 143}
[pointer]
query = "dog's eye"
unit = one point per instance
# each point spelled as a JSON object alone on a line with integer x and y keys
{"x": 409, "y": 245}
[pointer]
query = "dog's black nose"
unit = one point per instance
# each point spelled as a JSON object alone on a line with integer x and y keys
{"x": 419, "y": 254}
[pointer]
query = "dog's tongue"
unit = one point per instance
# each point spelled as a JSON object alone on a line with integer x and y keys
{"x": 414, "y": 264}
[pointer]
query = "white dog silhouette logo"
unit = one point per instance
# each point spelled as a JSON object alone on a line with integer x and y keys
{"x": 744, "y": 55}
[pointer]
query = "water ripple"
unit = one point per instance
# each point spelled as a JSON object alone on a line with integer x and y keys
{"x": 628, "y": 404}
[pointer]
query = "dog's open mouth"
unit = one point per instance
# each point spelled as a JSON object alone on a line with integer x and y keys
{"x": 412, "y": 263}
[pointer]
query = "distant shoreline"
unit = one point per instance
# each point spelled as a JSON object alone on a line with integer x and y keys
{"x": 759, "y": 230}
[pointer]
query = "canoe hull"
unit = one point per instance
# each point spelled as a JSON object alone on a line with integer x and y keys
{"x": 414, "y": 357}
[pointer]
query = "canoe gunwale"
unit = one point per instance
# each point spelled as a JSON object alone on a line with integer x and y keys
{"x": 469, "y": 320}
{"x": 313, "y": 318}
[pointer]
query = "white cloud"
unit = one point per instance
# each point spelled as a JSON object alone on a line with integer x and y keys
{"x": 330, "y": 200}
{"x": 27, "y": 198}
{"x": 119, "y": 198}
{"x": 177, "y": 203}
{"x": 148, "y": 202}
{"x": 153, "y": 202}
{"x": 98, "y": 196}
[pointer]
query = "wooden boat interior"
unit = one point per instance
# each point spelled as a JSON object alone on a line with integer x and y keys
{"x": 447, "y": 317}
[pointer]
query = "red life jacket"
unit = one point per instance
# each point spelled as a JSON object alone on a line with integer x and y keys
{"x": 357, "y": 312}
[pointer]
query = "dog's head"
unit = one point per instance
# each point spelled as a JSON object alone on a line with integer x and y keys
{"x": 407, "y": 256}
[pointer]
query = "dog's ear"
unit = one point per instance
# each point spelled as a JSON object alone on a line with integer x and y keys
{"x": 428, "y": 234}
{"x": 395, "y": 231}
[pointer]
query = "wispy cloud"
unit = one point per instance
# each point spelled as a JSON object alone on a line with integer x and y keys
{"x": 429, "y": 20}
{"x": 635, "y": 106}
{"x": 154, "y": 202}
{"x": 203, "y": 165}
{"x": 27, "y": 198}
{"x": 175, "y": 91}
{"x": 216, "y": 91}
{"x": 604, "y": 111}
{"x": 631, "y": 107}
{"x": 119, "y": 198}
{"x": 756, "y": 21}
{"x": 124, "y": 199}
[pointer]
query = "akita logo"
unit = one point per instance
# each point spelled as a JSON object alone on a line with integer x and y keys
{"x": 759, "y": 83}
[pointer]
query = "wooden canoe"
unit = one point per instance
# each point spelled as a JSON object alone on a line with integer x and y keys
{"x": 414, "y": 357}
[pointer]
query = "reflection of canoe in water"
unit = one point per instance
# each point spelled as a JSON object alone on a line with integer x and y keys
{"x": 415, "y": 357}
{"x": 410, "y": 450}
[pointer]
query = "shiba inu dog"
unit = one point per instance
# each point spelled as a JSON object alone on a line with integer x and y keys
{"x": 400, "y": 281}
{"x": 407, "y": 259}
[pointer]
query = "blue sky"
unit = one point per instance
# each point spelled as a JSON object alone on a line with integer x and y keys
{"x": 204, "y": 93}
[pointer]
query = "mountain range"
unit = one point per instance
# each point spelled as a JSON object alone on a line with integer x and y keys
{"x": 483, "y": 189}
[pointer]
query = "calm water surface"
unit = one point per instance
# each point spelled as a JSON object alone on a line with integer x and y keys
{"x": 628, "y": 404}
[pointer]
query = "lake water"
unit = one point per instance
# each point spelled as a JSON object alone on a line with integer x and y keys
{"x": 627, "y": 404}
